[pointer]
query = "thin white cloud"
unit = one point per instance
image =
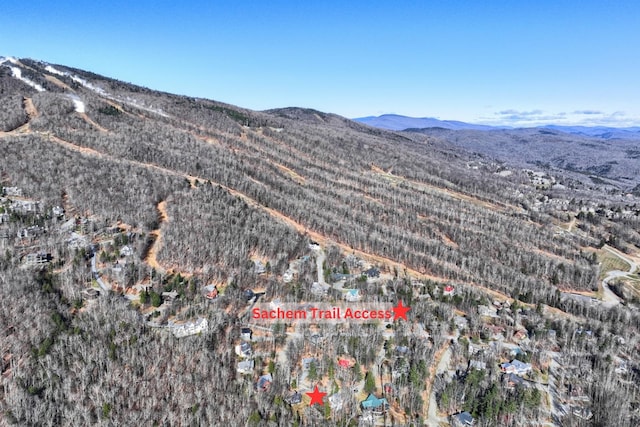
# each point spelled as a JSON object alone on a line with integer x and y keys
{"x": 585, "y": 117}
{"x": 588, "y": 112}
{"x": 519, "y": 113}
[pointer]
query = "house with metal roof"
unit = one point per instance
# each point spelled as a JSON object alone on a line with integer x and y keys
{"x": 372, "y": 403}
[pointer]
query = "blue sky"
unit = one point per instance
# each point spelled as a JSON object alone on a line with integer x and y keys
{"x": 497, "y": 62}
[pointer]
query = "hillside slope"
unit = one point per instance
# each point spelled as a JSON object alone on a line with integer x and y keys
{"x": 183, "y": 212}
{"x": 580, "y": 157}
{"x": 380, "y": 193}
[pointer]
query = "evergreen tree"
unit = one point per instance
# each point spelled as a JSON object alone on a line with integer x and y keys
{"x": 369, "y": 382}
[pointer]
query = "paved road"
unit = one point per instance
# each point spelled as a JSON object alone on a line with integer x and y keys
{"x": 557, "y": 409}
{"x": 609, "y": 298}
{"x": 433, "y": 419}
{"x": 633, "y": 265}
{"x": 320, "y": 257}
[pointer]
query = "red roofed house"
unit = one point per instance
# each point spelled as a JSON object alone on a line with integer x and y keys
{"x": 344, "y": 363}
{"x": 213, "y": 294}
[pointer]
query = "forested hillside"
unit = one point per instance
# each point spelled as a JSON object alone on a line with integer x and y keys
{"x": 369, "y": 190}
{"x": 206, "y": 194}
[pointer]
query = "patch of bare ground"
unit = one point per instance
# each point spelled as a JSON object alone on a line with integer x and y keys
{"x": 31, "y": 110}
{"x": 192, "y": 182}
{"x": 57, "y": 82}
{"x": 549, "y": 254}
{"x": 548, "y": 310}
{"x": 398, "y": 417}
{"x": 74, "y": 147}
{"x": 373, "y": 199}
{"x": 32, "y": 113}
{"x": 151, "y": 257}
{"x": 67, "y": 206}
{"x": 207, "y": 139}
{"x": 293, "y": 175}
{"x": 432, "y": 374}
{"x": 152, "y": 254}
{"x": 257, "y": 182}
{"x": 447, "y": 240}
{"x": 575, "y": 292}
{"x": 501, "y": 207}
{"x": 92, "y": 123}
{"x": 293, "y": 150}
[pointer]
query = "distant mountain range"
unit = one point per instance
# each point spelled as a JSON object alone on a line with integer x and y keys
{"x": 600, "y": 131}
{"x": 398, "y": 122}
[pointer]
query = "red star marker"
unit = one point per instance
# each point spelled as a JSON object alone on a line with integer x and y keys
{"x": 400, "y": 311}
{"x": 316, "y": 396}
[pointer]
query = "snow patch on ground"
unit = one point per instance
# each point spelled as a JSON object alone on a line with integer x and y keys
{"x": 135, "y": 103}
{"x": 52, "y": 70}
{"x": 77, "y": 79}
{"x": 78, "y": 104}
{"x": 128, "y": 100}
{"x": 89, "y": 86}
{"x": 10, "y": 59}
{"x": 17, "y": 73}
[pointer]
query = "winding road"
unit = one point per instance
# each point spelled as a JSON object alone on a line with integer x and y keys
{"x": 609, "y": 298}
{"x": 163, "y": 217}
{"x": 434, "y": 420}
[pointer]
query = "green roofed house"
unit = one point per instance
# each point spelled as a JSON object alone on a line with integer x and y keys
{"x": 375, "y": 405}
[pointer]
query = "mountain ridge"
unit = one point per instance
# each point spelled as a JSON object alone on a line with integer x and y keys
{"x": 404, "y": 123}
{"x": 119, "y": 119}
{"x": 182, "y": 212}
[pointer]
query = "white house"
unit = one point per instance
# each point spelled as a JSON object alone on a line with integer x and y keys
{"x": 352, "y": 295}
{"x": 192, "y": 328}
{"x": 126, "y": 251}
